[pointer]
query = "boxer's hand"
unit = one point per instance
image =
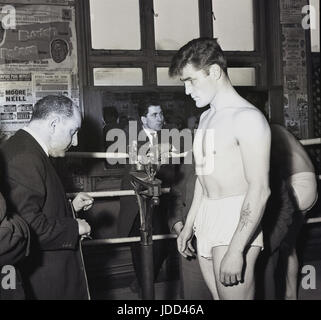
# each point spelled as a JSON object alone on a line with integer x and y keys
{"x": 82, "y": 202}
{"x": 83, "y": 227}
{"x": 178, "y": 226}
{"x": 184, "y": 245}
{"x": 231, "y": 268}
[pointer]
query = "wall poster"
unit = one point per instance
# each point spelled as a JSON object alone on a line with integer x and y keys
{"x": 296, "y": 107}
{"x": 38, "y": 57}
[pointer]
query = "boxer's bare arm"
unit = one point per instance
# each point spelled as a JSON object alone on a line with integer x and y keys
{"x": 253, "y": 135}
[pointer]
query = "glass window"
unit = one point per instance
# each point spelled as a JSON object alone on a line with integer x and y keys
{"x": 242, "y": 76}
{"x": 233, "y": 24}
{"x": 118, "y": 77}
{"x": 115, "y": 24}
{"x": 163, "y": 78}
{"x": 176, "y": 22}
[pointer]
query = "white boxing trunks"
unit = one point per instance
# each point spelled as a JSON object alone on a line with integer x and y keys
{"x": 216, "y": 222}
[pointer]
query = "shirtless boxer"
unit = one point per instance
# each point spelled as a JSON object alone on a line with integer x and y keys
{"x": 231, "y": 150}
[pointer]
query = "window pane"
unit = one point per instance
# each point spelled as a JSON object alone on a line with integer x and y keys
{"x": 163, "y": 78}
{"x": 233, "y": 24}
{"x": 242, "y": 76}
{"x": 118, "y": 77}
{"x": 115, "y": 24}
{"x": 315, "y": 25}
{"x": 176, "y": 22}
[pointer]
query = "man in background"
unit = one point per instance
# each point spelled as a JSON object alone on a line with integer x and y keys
{"x": 293, "y": 194}
{"x": 193, "y": 286}
{"x": 151, "y": 122}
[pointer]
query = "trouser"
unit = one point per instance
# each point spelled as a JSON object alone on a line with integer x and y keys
{"x": 160, "y": 247}
{"x": 267, "y": 266}
{"x": 272, "y": 268}
{"x": 193, "y": 285}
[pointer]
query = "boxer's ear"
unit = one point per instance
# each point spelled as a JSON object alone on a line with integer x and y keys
{"x": 215, "y": 71}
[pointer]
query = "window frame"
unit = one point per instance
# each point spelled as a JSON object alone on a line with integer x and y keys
{"x": 148, "y": 58}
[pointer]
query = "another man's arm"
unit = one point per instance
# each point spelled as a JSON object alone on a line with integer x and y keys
{"x": 175, "y": 221}
{"x": 14, "y": 236}
{"x": 179, "y": 191}
{"x": 278, "y": 215}
{"x": 253, "y": 135}
{"x": 184, "y": 239}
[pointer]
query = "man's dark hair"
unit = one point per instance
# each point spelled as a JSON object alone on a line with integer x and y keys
{"x": 53, "y": 104}
{"x": 142, "y": 108}
{"x": 201, "y": 53}
{"x": 110, "y": 113}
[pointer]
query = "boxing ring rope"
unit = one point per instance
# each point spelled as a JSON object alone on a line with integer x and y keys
{"x": 127, "y": 239}
{"x": 310, "y": 142}
{"x": 116, "y": 193}
{"x": 97, "y": 155}
{"x": 120, "y": 193}
{"x": 111, "y": 155}
{"x": 121, "y": 155}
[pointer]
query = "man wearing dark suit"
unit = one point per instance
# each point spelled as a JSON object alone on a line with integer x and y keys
{"x": 152, "y": 121}
{"x": 54, "y": 268}
{"x": 293, "y": 194}
{"x": 193, "y": 286}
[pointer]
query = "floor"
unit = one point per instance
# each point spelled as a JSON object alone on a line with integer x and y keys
{"x": 163, "y": 291}
{"x": 309, "y": 289}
